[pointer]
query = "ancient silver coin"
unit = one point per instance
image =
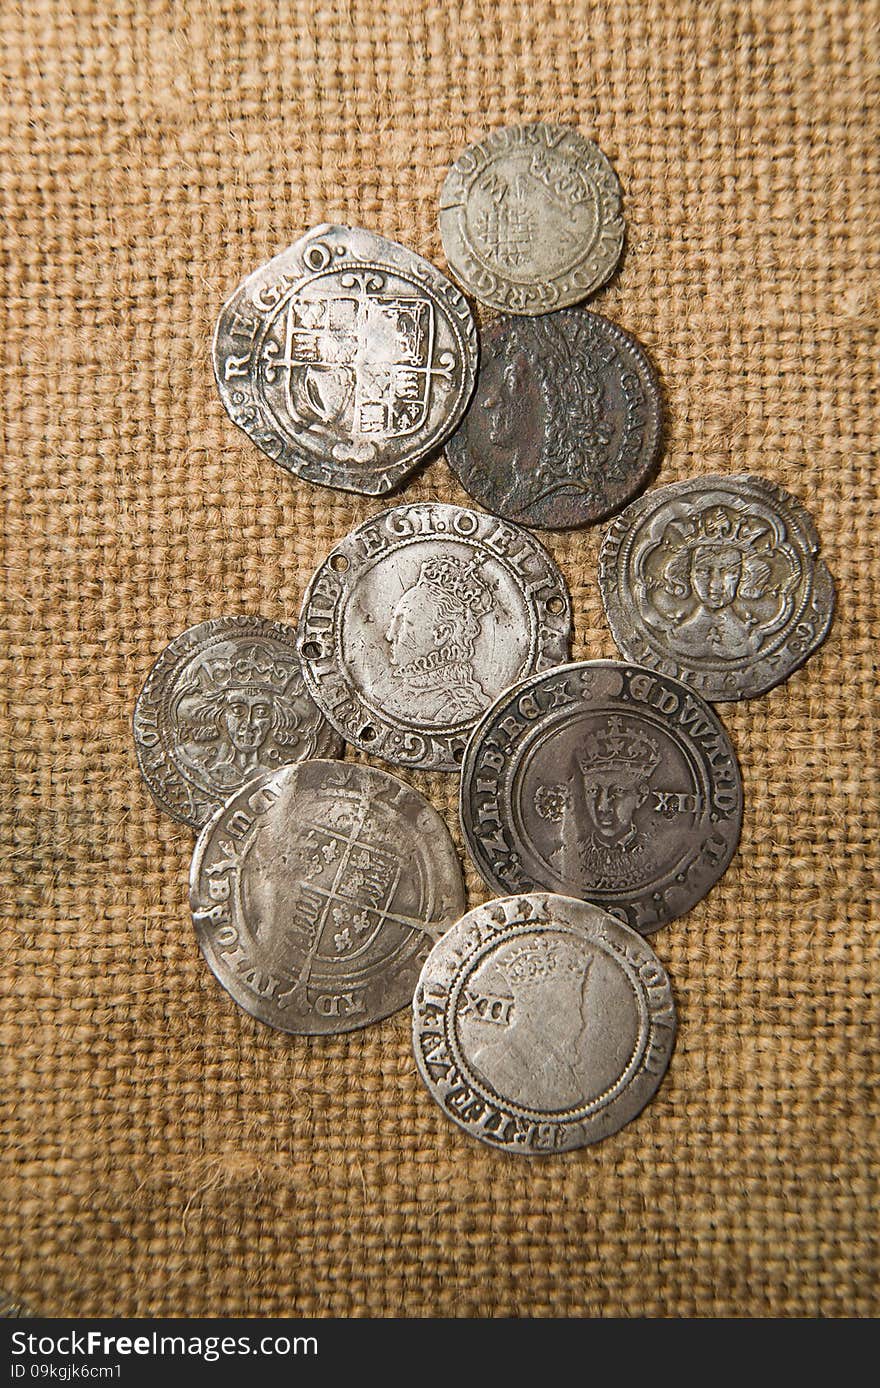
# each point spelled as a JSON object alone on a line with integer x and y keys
{"x": 531, "y": 218}
{"x": 565, "y": 423}
{"x": 607, "y": 782}
{"x": 317, "y": 891}
{"x": 716, "y": 581}
{"x": 419, "y": 619}
{"x": 347, "y": 358}
{"x": 225, "y": 701}
{"x": 541, "y": 1024}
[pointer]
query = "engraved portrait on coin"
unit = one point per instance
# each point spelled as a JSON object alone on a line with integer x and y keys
{"x": 565, "y": 422}
{"x": 541, "y": 1023}
{"x": 716, "y": 581}
{"x": 316, "y": 893}
{"x": 418, "y": 619}
{"x": 531, "y": 218}
{"x": 607, "y": 782}
{"x": 347, "y": 358}
{"x": 224, "y": 702}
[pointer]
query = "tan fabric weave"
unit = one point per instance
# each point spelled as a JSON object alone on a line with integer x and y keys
{"x": 163, "y": 1153}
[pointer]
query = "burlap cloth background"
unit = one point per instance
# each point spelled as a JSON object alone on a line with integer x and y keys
{"x": 162, "y": 1152}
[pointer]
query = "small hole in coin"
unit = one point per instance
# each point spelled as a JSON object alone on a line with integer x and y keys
{"x": 339, "y": 563}
{"x": 458, "y": 753}
{"x": 368, "y": 733}
{"x": 311, "y": 650}
{"x": 555, "y": 605}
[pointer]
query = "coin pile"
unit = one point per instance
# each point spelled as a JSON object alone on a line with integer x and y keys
{"x": 600, "y": 799}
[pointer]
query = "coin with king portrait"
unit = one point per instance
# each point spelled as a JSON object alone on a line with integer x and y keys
{"x": 224, "y": 702}
{"x": 419, "y": 619}
{"x": 716, "y": 580}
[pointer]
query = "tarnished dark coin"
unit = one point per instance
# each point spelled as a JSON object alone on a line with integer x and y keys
{"x": 225, "y": 701}
{"x": 715, "y": 581}
{"x": 606, "y": 782}
{"x": 531, "y": 218}
{"x": 565, "y": 423}
{"x": 419, "y": 619}
{"x": 540, "y": 1023}
{"x": 347, "y": 358}
{"x": 317, "y": 891}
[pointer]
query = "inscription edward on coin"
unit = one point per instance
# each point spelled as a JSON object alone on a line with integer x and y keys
{"x": 422, "y": 616}
{"x": 715, "y": 581}
{"x": 347, "y": 358}
{"x": 531, "y": 218}
{"x": 541, "y": 1024}
{"x": 316, "y": 893}
{"x": 565, "y": 422}
{"x": 224, "y": 702}
{"x": 606, "y": 782}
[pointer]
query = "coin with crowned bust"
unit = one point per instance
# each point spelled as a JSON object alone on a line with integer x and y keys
{"x": 541, "y": 1023}
{"x": 419, "y": 619}
{"x": 531, "y": 218}
{"x": 715, "y": 580}
{"x": 607, "y": 782}
{"x": 224, "y": 702}
{"x": 565, "y": 423}
{"x": 317, "y": 891}
{"x": 347, "y": 358}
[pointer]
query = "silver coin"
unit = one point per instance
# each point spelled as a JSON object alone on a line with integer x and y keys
{"x": 607, "y": 782}
{"x": 419, "y": 619}
{"x": 347, "y": 358}
{"x": 531, "y": 218}
{"x": 541, "y": 1024}
{"x": 225, "y": 701}
{"x": 317, "y": 891}
{"x": 715, "y": 581}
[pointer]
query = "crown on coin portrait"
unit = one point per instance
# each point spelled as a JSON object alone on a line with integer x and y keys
{"x": 720, "y": 527}
{"x": 616, "y": 748}
{"x": 251, "y": 669}
{"x": 459, "y": 581}
{"x": 536, "y": 961}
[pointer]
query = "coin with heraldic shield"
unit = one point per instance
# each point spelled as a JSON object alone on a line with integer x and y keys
{"x": 531, "y": 218}
{"x": 716, "y": 581}
{"x": 317, "y": 891}
{"x": 419, "y": 619}
{"x": 607, "y": 782}
{"x": 347, "y": 358}
{"x": 565, "y": 423}
{"x": 224, "y": 702}
{"x": 541, "y": 1023}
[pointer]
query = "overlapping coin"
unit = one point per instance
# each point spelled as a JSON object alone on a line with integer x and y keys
{"x": 224, "y": 702}
{"x": 419, "y": 619}
{"x": 715, "y": 580}
{"x": 540, "y": 1023}
{"x": 531, "y": 218}
{"x": 316, "y": 893}
{"x": 565, "y": 423}
{"x": 347, "y": 358}
{"x": 607, "y": 782}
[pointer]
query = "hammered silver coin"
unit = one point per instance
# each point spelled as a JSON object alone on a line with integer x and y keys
{"x": 716, "y": 581}
{"x": 419, "y": 619}
{"x": 531, "y": 218}
{"x": 347, "y": 359}
{"x": 564, "y": 427}
{"x": 541, "y": 1024}
{"x": 607, "y": 782}
{"x": 225, "y": 701}
{"x": 317, "y": 892}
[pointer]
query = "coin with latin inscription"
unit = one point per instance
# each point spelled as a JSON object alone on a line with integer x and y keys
{"x": 565, "y": 423}
{"x": 531, "y": 218}
{"x": 607, "y": 782}
{"x": 542, "y": 1024}
{"x": 317, "y": 891}
{"x": 419, "y": 619}
{"x": 716, "y": 581}
{"x": 347, "y": 358}
{"x": 224, "y": 702}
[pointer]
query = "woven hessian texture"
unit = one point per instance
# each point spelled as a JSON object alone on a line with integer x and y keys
{"x": 162, "y": 1152}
